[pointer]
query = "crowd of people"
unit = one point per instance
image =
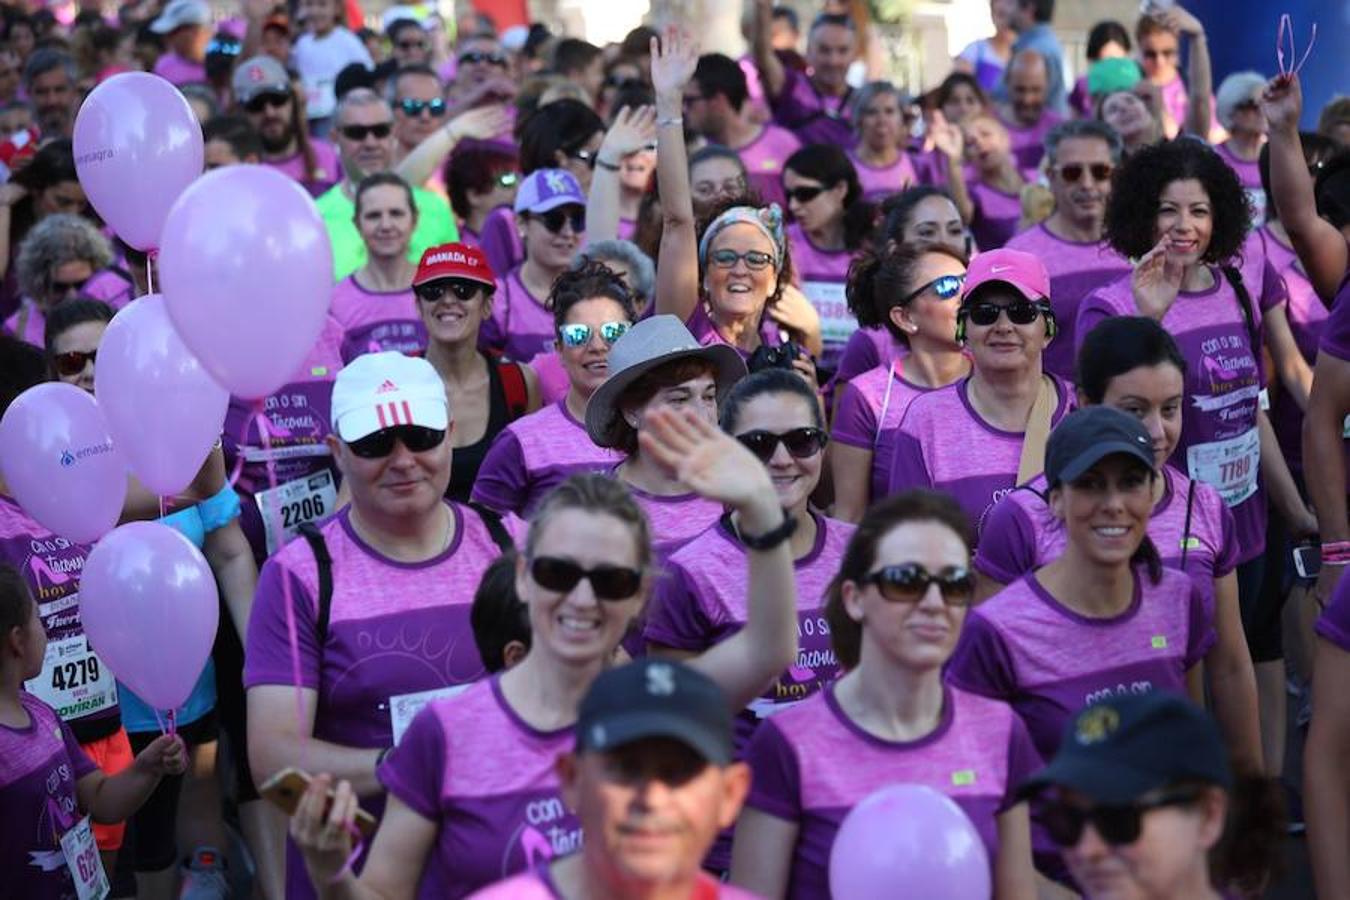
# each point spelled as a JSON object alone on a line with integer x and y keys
{"x": 697, "y": 446}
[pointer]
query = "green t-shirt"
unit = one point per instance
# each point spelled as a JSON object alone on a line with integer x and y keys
{"x": 435, "y": 225}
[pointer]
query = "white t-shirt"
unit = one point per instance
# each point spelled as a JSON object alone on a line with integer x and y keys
{"x": 319, "y": 60}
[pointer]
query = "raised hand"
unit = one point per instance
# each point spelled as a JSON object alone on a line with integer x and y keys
{"x": 673, "y": 60}
{"x": 166, "y": 755}
{"x": 1282, "y": 103}
{"x": 480, "y": 124}
{"x": 324, "y": 835}
{"x": 947, "y": 137}
{"x": 1156, "y": 281}
{"x": 634, "y": 129}
{"x": 708, "y": 460}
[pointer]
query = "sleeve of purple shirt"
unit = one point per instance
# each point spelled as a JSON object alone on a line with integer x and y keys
{"x": 675, "y": 618}
{"x": 79, "y": 760}
{"x": 1200, "y": 636}
{"x": 860, "y": 355}
{"x": 908, "y": 469}
{"x": 1336, "y": 330}
{"x": 267, "y": 656}
{"x": 981, "y": 663}
{"x": 1092, "y": 311}
{"x": 496, "y": 242}
{"x": 502, "y": 481}
{"x": 1273, "y": 289}
{"x": 1007, "y": 549}
{"x": 1334, "y": 623}
{"x": 415, "y": 769}
{"x": 777, "y": 786}
{"x": 854, "y": 422}
{"x": 1023, "y": 761}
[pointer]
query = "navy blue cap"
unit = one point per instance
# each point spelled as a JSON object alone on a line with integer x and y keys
{"x": 1086, "y": 436}
{"x": 656, "y": 698}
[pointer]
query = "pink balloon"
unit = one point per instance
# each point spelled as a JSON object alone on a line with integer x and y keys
{"x": 60, "y": 462}
{"x": 908, "y": 840}
{"x": 247, "y": 273}
{"x": 149, "y": 605}
{"x": 137, "y": 147}
{"x": 163, "y": 408}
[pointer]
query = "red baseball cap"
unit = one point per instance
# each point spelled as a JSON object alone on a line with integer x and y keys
{"x": 454, "y": 261}
{"x": 1021, "y": 270}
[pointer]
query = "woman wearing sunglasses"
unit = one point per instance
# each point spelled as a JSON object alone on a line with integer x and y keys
{"x": 375, "y": 304}
{"x": 551, "y": 217}
{"x": 701, "y": 603}
{"x": 831, "y": 221}
{"x": 454, "y": 288}
{"x": 1131, "y": 364}
{"x": 1142, "y": 802}
{"x": 474, "y": 794}
{"x": 995, "y": 190}
{"x": 911, "y": 294}
{"x": 1237, "y": 106}
{"x": 985, "y": 434}
{"x": 894, "y": 611}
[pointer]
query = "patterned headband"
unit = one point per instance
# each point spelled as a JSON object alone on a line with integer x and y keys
{"x": 769, "y": 220}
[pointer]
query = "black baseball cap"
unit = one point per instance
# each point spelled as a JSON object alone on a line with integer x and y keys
{"x": 656, "y": 698}
{"x": 1087, "y": 436}
{"x": 1117, "y": 750}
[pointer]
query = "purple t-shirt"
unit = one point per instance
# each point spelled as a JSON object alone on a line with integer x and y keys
{"x": 674, "y": 521}
{"x": 813, "y": 764}
{"x": 553, "y": 380}
{"x": 1022, "y": 534}
{"x": 1249, "y": 173}
{"x": 386, "y": 650}
{"x": 29, "y": 322}
{"x": 500, "y": 240}
{"x": 327, "y": 170}
{"x": 701, "y": 326}
{"x": 764, "y": 157}
{"x": 40, "y": 766}
{"x": 1076, "y": 270}
{"x": 470, "y": 764}
{"x": 178, "y": 70}
{"x": 1336, "y": 333}
{"x": 520, "y": 327}
{"x": 1026, "y": 648}
{"x": 533, "y": 455}
{"x": 85, "y": 694}
{"x": 301, "y": 463}
{"x": 538, "y": 885}
{"x": 996, "y": 214}
{"x": 814, "y": 118}
{"x": 1334, "y": 623}
{"x": 942, "y": 443}
{"x": 1220, "y": 442}
{"x": 865, "y": 350}
{"x": 867, "y": 413}
{"x": 373, "y": 321}
{"x": 1028, "y": 141}
{"x": 823, "y": 278}
{"x": 878, "y": 183}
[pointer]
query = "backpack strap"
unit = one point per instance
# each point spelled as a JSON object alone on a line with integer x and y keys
{"x": 493, "y": 523}
{"x": 517, "y": 393}
{"x": 314, "y": 537}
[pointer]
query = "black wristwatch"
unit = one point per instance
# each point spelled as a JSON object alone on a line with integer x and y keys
{"x": 769, "y": 539}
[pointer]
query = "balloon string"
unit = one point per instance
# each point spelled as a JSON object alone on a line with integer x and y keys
{"x": 150, "y": 270}
{"x": 163, "y": 506}
{"x": 173, "y": 722}
{"x": 163, "y": 729}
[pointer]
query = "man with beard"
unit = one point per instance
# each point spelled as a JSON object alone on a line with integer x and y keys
{"x": 1081, "y": 154}
{"x": 264, "y": 94}
{"x": 1025, "y": 115}
{"x": 49, "y": 79}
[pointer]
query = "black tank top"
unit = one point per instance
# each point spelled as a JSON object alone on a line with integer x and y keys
{"x": 465, "y": 461}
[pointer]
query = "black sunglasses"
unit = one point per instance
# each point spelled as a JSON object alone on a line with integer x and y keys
{"x": 436, "y": 290}
{"x": 804, "y": 194}
{"x": 801, "y": 443}
{"x": 1073, "y": 172}
{"x": 359, "y": 133}
{"x": 945, "y": 286}
{"x": 554, "y": 219}
{"x": 1117, "y": 825}
{"x": 908, "y": 582}
{"x": 65, "y": 287}
{"x": 272, "y": 99}
{"x": 381, "y": 443}
{"x": 1020, "y": 312}
{"x": 754, "y": 259}
{"x": 73, "y": 362}
{"x": 477, "y": 56}
{"x": 414, "y": 108}
{"x": 562, "y": 575}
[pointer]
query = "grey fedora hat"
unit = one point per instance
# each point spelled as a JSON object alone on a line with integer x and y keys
{"x": 647, "y": 345}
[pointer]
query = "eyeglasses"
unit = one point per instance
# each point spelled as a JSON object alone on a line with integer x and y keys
{"x": 272, "y": 99}
{"x": 730, "y": 187}
{"x": 1117, "y": 825}
{"x": 908, "y": 582}
{"x": 727, "y": 259}
{"x": 477, "y": 56}
{"x": 414, "y": 108}
{"x": 435, "y": 291}
{"x": 587, "y": 156}
{"x": 73, "y": 362}
{"x": 801, "y": 443}
{"x": 61, "y": 288}
{"x": 579, "y": 335}
{"x": 358, "y": 133}
{"x": 562, "y": 575}
{"x": 554, "y": 219}
{"x": 804, "y": 194}
{"x": 945, "y": 286}
{"x": 381, "y": 443}
{"x": 1020, "y": 312}
{"x": 1073, "y": 172}
{"x": 507, "y": 179}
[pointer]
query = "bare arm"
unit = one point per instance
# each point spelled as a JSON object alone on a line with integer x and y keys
{"x": 771, "y": 72}
{"x": 231, "y": 558}
{"x": 1014, "y": 875}
{"x": 114, "y": 798}
{"x": 1294, "y": 372}
{"x": 1199, "y": 73}
{"x": 1323, "y": 449}
{"x": 761, "y": 857}
{"x": 1283, "y": 490}
{"x": 677, "y": 287}
{"x": 274, "y": 743}
{"x": 534, "y": 397}
{"x": 632, "y": 130}
{"x": 852, "y": 468}
{"x": 481, "y": 124}
{"x": 1320, "y": 247}
{"x": 1326, "y": 775}
{"x": 1232, "y": 681}
{"x": 949, "y": 142}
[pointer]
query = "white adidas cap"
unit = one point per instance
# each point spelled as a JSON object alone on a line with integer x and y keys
{"x": 381, "y": 390}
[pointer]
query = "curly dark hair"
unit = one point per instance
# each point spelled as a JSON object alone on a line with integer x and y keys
{"x": 749, "y": 199}
{"x": 1140, "y": 182}
{"x": 588, "y": 280}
